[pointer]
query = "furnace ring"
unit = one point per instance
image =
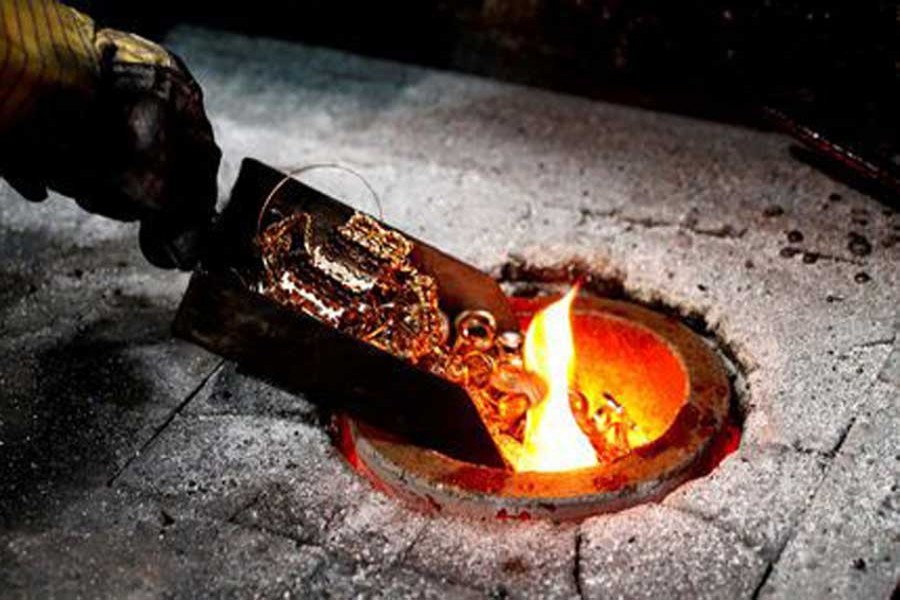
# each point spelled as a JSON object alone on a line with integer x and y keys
{"x": 435, "y": 482}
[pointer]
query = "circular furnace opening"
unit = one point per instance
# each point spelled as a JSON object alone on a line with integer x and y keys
{"x": 664, "y": 376}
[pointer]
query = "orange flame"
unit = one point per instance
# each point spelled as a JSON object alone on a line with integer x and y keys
{"x": 553, "y": 439}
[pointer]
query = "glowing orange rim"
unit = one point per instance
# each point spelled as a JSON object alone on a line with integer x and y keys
{"x": 436, "y": 482}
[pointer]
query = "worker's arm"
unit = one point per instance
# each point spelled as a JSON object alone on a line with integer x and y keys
{"x": 108, "y": 118}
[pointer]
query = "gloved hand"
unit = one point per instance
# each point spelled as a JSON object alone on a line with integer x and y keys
{"x": 119, "y": 126}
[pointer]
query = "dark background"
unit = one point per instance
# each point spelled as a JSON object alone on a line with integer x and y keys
{"x": 830, "y": 64}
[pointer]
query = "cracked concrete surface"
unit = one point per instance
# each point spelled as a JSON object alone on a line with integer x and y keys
{"x": 132, "y": 465}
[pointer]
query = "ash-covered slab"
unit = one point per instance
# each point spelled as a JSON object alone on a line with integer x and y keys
{"x": 376, "y": 529}
{"x": 848, "y": 543}
{"x": 76, "y": 410}
{"x": 117, "y": 544}
{"x": 799, "y": 406}
{"x": 337, "y": 578}
{"x": 501, "y": 558}
{"x": 216, "y": 465}
{"x": 275, "y": 475}
{"x": 757, "y": 493}
{"x": 658, "y": 552}
{"x": 339, "y": 511}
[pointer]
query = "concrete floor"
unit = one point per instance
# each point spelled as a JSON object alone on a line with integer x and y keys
{"x": 132, "y": 465}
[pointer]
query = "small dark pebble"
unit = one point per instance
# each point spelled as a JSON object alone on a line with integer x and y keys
{"x": 835, "y": 197}
{"x": 810, "y": 257}
{"x": 167, "y": 519}
{"x": 794, "y": 236}
{"x": 830, "y": 299}
{"x": 859, "y": 564}
{"x": 748, "y": 264}
{"x": 789, "y": 252}
{"x": 77, "y": 273}
{"x": 773, "y": 211}
{"x": 701, "y": 287}
{"x": 515, "y": 565}
{"x": 632, "y": 539}
{"x": 862, "y": 277}
{"x": 858, "y": 244}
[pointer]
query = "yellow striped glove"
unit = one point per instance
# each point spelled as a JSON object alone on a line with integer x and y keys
{"x": 109, "y": 119}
